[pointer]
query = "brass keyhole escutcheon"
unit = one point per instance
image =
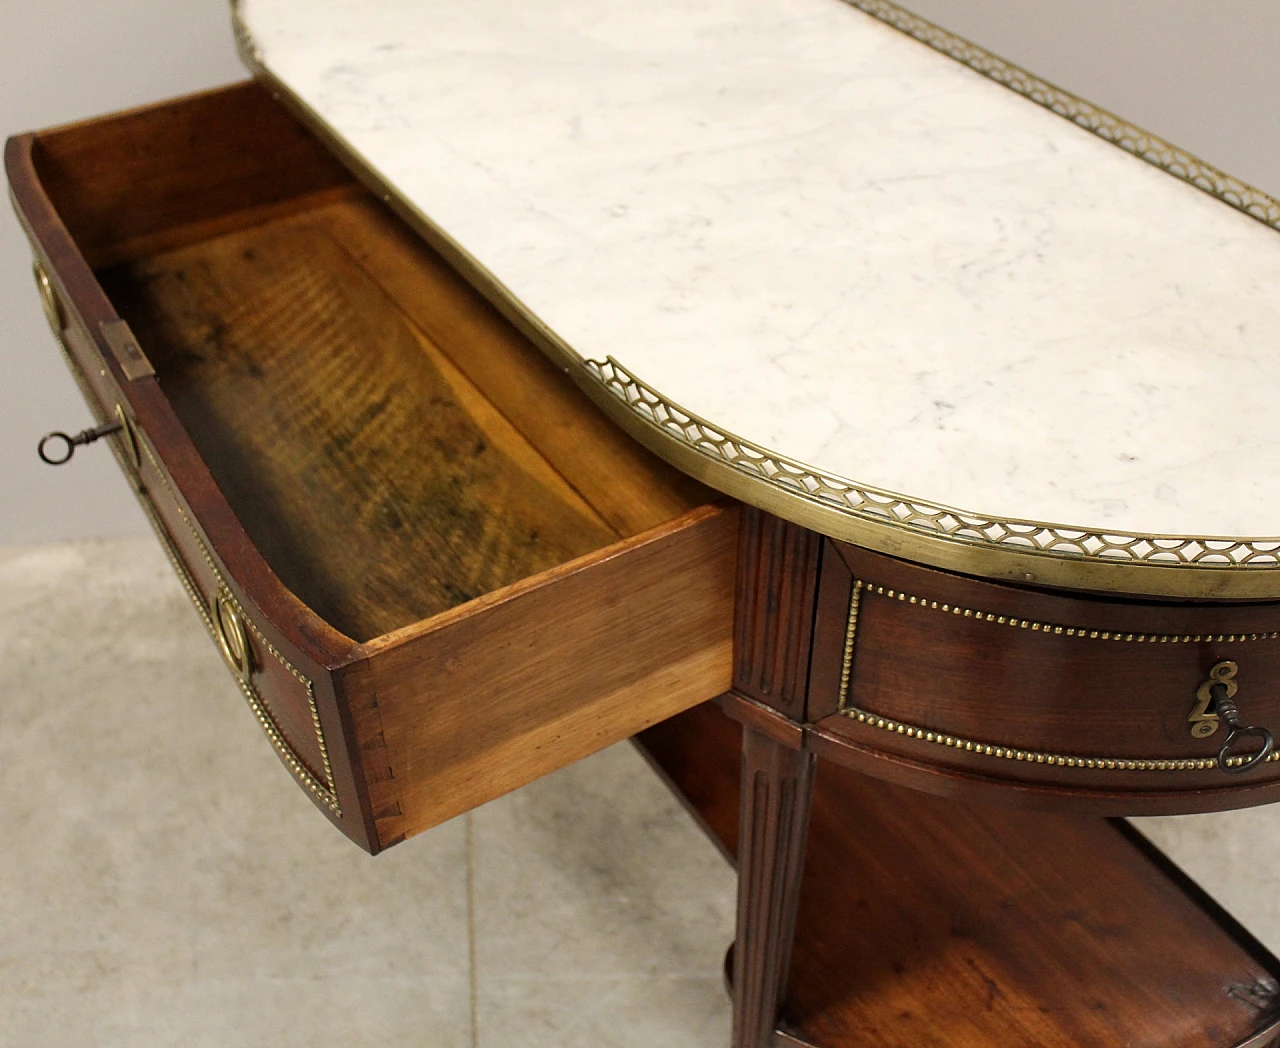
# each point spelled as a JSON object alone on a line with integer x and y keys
{"x": 1203, "y": 722}
{"x": 233, "y": 638}
{"x": 48, "y": 298}
{"x": 129, "y": 437}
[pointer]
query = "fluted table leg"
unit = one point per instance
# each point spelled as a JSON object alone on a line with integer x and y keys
{"x": 777, "y": 784}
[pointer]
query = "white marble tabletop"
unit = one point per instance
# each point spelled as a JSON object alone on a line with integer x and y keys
{"x": 820, "y": 235}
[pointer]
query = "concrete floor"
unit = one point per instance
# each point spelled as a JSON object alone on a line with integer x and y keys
{"x": 162, "y": 882}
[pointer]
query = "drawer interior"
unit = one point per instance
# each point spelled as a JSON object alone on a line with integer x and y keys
{"x": 391, "y": 444}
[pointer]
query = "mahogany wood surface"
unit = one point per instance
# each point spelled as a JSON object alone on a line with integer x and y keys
{"x": 402, "y": 329}
{"x": 929, "y": 922}
{"x": 777, "y": 586}
{"x": 483, "y": 580}
{"x": 777, "y": 783}
{"x": 309, "y": 644}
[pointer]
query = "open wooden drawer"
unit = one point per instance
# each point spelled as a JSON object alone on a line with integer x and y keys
{"x": 436, "y": 570}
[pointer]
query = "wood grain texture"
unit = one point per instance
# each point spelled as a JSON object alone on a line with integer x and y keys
{"x": 777, "y": 583}
{"x": 764, "y": 719}
{"x": 1049, "y": 674}
{"x": 377, "y": 481}
{"x": 156, "y": 177}
{"x": 926, "y": 922}
{"x": 485, "y": 698}
{"x": 698, "y": 754}
{"x": 777, "y": 784}
{"x": 631, "y": 488}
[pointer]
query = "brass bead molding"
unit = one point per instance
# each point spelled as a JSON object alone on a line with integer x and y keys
{"x": 230, "y": 627}
{"x": 1000, "y": 751}
{"x": 1039, "y": 757}
{"x": 1028, "y": 551}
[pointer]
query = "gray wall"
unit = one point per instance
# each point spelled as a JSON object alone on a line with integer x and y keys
{"x": 63, "y": 60}
{"x": 1200, "y": 72}
{"x": 1204, "y": 74}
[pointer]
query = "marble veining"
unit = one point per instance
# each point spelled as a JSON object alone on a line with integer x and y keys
{"x": 830, "y": 240}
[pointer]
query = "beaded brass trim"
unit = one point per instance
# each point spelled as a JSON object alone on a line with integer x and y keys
{"x": 326, "y": 791}
{"x": 1066, "y": 631}
{"x": 878, "y": 506}
{"x": 1223, "y": 567}
{"x": 1013, "y": 753}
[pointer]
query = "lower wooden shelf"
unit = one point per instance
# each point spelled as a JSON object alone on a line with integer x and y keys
{"x": 926, "y": 922}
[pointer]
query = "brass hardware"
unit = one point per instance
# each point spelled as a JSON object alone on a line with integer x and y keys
{"x": 128, "y": 437}
{"x": 846, "y": 661}
{"x": 1058, "y": 630}
{"x": 1203, "y": 721}
{"x": 120, "y": 424}
{"x": 1220, "y": 690}
{"x": 70, "y": 443}
{"x": 116, "y": 333}
{"x": 1223, "y": 688}
{"x": 1156, "y": 151}
{"x": 940, "y": 536}
{"x": 48, "y": 297}
{"x": 321, "y": 785}
{"x": 932, "y": 533}
{"x": 1062, "y": 760}
{"x": 325, "y": 789}
{"x": 233, "y": 638}
{"x": 124, "y": 347}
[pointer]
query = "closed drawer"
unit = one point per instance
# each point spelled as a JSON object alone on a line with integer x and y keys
{"x": 434, "y": 568}
{"x": 1104, "y": 704}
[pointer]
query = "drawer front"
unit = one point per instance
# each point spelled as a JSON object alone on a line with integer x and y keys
{"x": 1074, "y": 694}
{"x": 282, "y": 696}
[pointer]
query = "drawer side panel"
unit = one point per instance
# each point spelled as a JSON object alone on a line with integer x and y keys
{"x": 545, "y": 673}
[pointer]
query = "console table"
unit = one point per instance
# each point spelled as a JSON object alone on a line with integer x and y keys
{"x": 504, "y": 383}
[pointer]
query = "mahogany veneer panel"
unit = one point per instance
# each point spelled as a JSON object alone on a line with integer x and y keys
{"x": 925, "y": 921}
{"x": 1030, "y": 696}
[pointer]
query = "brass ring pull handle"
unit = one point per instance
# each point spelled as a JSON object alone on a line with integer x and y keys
{"x": 1229, "y": 713}
{"x": 48, "y": 298}
{"x": 49, "y": 444}
{"x": 233, "y": 637}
